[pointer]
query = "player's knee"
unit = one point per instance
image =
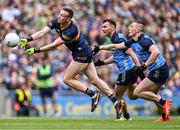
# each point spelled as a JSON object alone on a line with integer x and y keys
{"x": 66, "y": 81}
{"x": 136, "y": 93}
{"x": 123, "y": 103}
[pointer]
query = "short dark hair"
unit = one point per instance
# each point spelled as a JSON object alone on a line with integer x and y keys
{"x": 141, "y": 24}
{"x": 112, "y": 22}
{"x": 69, "y": 10}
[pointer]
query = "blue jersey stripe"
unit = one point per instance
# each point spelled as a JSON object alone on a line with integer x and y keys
{"x": 124, "y": 62}
{"x": 141, "y": 48}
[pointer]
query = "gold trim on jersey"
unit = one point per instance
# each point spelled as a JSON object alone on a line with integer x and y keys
{"x": 66, "y": 26}
{"x": 69, "y": 39}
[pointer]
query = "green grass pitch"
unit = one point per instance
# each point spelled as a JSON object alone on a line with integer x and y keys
{"x": 139, "y": 123}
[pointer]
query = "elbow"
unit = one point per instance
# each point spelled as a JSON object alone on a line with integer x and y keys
{"x": 129, "y": 52}
{"x": 115, "y": 48}
{"x": 156, "y": 53}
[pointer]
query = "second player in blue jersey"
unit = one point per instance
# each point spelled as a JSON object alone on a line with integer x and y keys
{"x": 124, "y": 59}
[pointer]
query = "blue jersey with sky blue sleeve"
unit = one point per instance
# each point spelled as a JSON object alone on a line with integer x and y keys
{"x": 74, "y": 40}
{"x": 141, "y": 48}
{"x": 123, "y": 60}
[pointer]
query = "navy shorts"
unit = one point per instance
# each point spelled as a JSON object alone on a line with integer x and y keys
{"x": 127, "y": 78}
{"x": 159, "y": 75}
{"x": 47, "y": 92}
{"x": 83, "y": 59}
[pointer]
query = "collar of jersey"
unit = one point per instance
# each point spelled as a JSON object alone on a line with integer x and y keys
{"x": 114, "y": 34}
{"x": 63, "y": 28}
{"x": 140, "y": 37}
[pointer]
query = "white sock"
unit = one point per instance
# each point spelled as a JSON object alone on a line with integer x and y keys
{"x": 94, "y": 96}
{"x": 115, "y": 103}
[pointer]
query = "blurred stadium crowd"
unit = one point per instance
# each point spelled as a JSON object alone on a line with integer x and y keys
{"x": 24, "y": 17}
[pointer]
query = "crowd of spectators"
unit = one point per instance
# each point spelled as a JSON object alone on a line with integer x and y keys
{"x": 24, "y": 17}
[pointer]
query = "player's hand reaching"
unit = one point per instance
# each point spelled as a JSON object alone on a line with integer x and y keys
{"x": 31, "y": 51}
{"x": 99, "y": 63}
{"x": 23, "y": 42}
{"x": 96, "y": 49}
{"x": 143, "y": 67}
{"x": 140, "y": 73}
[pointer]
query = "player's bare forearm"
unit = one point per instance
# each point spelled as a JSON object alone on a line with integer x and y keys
{"x": 130, "y": 52}
{"x": 55, "y": 44}
{"x": 109, "y": 60}
{"x": 40, "y": 33}
{"x": 106, "y": 47}
{"x": 154, "y": 54}
{"x": 112, "y": 47}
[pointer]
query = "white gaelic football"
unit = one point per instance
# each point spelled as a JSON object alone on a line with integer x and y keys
{"x": 11, "y": 40}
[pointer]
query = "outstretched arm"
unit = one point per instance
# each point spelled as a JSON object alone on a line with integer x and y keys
{"x": 55, "y": 44}
{"x": 40, "y": 33}
{"x": 112, "y": 47}
{"x": 23, "y": 42}
{"x": 48, "y": 47}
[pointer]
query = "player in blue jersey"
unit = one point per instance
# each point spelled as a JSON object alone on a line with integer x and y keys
{"x": 70, "y": 35}
{"x": 125, "y": 61}
{"x": 147, "y": 51}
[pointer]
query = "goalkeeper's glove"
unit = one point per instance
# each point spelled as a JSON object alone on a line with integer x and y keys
{"x": 31, "y": 51}
{"x": 24, "y": 42}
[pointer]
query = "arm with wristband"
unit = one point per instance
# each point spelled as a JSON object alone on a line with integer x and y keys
{"x": 149, "y": 45}
{"x": 110, "y": 47}
{"x": 56, "y": 43}
{"x": 23, "y": 42}
{"x": 139, "y": 68}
